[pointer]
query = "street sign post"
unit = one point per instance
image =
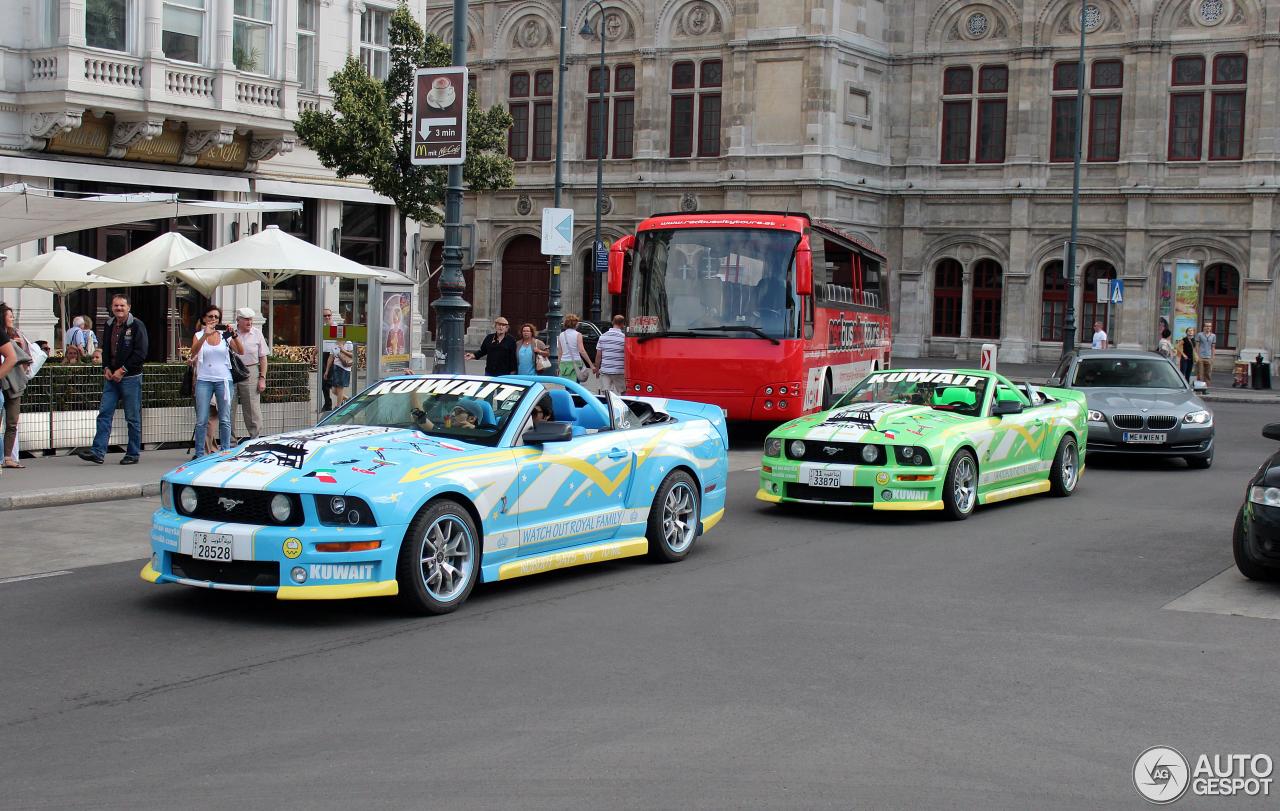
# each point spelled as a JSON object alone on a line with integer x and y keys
{"x": 602, "y": 257}
{"x": 440, "y": 116}
{"x": 557, "y": 231}
{"x": 1117, "y": 291}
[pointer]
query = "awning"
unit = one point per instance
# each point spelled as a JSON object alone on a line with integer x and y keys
{"x": 28, "y": 213}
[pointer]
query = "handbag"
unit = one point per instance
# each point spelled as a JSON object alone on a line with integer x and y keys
{"x": 541, "y": 362}
{"x": 239, "y": 372}
{"x": 583, "y": 372}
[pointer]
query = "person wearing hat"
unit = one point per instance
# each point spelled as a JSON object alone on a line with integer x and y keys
{"x": 463, "y": 414}
{"x": 249, "y": 391}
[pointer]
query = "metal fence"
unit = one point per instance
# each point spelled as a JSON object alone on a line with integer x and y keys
{"x": 60, "y": 406}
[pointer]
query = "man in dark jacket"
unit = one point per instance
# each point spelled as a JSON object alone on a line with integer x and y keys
{"x": 498, "y": 349}
{"x": 124, "y": 348}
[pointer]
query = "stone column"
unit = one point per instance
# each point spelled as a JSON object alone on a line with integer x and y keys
{"x": 70, "y": 23}
{"x": 1136, "y": 319}
{"x": 152, "y": 37}
{"x": 966, "y": 300}
{"x": 223, "y": 22}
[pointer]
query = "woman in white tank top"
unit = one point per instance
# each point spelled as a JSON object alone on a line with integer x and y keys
{"x": 211, "y": 356}
{"x": 573, "y": 353}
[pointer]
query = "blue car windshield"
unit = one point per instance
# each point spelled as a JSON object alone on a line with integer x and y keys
{"x": 472, "y": 409}
{"x": 943, "y": 391}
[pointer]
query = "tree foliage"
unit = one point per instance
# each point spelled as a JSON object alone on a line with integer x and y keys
{"x": 369, "y": 132}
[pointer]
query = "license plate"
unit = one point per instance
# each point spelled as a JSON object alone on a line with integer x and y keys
{"x": 211, "y": 546}
{"x": 824, "y": 478}
{"x": 1146, "y": 439}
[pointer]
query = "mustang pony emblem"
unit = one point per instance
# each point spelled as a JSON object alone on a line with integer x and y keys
{"x": 830, "y": 451}
{"x": 229, "y": 504}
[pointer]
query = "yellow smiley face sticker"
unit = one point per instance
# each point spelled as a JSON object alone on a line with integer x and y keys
{"x": 292, "y": 548}
{"x": 882, "y": 478}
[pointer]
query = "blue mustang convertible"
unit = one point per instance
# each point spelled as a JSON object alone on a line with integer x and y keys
{"x": 422, "y": 485}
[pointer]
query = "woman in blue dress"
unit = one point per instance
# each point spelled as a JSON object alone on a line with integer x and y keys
{"x": 531, "y": 354}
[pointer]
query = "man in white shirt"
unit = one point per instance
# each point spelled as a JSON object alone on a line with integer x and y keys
{"x": 1099, "y": 336}
{"x": 249, "y": 391}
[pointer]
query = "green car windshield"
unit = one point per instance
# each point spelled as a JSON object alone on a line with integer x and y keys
{"x": 945, "y": 391}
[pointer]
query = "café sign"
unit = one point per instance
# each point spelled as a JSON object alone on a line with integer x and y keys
{"x": 440, "y": 116}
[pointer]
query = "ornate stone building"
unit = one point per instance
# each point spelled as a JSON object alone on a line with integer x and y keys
{"x": 939, "y": 130}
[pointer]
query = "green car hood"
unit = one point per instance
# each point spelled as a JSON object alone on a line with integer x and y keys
{"x": 851, "y": 423}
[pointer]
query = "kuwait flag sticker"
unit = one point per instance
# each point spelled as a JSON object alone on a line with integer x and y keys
{"x": 324, "y": 474}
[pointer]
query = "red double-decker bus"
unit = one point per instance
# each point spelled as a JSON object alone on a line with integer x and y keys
{"x": 768, "y": 315}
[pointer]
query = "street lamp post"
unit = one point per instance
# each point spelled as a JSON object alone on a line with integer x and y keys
{"x": 451, "y": 308}
{"x": 554, "y": 312}
{"x": 1069, "y": 327}
{"x": 599, "y": 147}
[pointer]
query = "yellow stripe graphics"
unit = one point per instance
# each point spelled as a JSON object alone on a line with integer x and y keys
{"x": 1028, "y": 489}
{"x": 893, "y": 506}
{"x": 149, "y": 573}
{"x": 769, "y": 497}
{"x": 711, "y": 520}
{"x": 594, "y": 553}
{"x": 339, "y": 591}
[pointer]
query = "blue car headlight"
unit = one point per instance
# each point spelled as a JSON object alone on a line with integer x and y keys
{"x": 344, "y": 511}
{"x": 1198, "y": 418}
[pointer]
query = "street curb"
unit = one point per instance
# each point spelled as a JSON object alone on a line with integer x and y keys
{"x": 87, "y": 494}
{"x": 1257, "y": 399}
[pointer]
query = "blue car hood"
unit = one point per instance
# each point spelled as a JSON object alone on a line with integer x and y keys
{"x": 327, "y": 457}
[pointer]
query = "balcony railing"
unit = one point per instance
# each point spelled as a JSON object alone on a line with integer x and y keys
{"x": 257, "y": 93}
{"x": 44, "y": 68}
{"x": 113, "y": 72}
{"x": 189, "y": 83}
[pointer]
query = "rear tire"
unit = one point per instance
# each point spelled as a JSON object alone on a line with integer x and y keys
{"x": 1064, "y": 475}
{"x": 828, "y": 396}
{"x": 1249, "y": 567}
{"x": 674, "y": 518}
{"x": 439, "y": 559}
{"x": 960, "y": 490}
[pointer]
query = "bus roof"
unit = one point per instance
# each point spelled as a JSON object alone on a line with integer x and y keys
{"x": 781, "y": 220}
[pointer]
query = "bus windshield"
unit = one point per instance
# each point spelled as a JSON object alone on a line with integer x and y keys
{"x": 714, "y": 282}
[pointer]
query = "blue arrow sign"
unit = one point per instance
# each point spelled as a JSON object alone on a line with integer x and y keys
{"x": 1117, "y": 291}
{"x": 565, "y": 228}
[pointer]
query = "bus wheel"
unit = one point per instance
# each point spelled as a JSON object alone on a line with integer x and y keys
{"x": 827, "y": 396}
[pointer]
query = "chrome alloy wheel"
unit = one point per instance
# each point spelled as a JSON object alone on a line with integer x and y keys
{"x": 964, "y": 490}
{"x": 448, "y": 556}
{"x": 679, "y": 517}
{"x": 1070, "y": 466}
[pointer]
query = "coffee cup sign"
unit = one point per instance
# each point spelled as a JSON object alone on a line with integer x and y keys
{"x": 440, "y": 116}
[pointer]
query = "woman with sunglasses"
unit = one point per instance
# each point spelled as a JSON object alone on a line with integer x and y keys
{"x": 211, "y": 355}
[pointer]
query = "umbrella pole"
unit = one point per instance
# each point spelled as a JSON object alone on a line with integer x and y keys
{"x": 172, "y": 319}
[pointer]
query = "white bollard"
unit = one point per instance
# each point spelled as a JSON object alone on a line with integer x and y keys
{"x": 989, "y": 352}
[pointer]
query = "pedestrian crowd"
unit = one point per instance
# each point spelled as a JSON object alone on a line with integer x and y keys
{"x": 505, "y": 354}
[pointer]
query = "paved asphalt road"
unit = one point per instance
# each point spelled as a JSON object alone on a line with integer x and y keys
{"x": 1021, "y": 659}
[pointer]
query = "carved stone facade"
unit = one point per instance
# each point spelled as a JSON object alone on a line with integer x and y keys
{"x": 835, "y": 107}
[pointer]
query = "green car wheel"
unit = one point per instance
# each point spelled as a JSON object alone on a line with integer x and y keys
{"x": 960, "y": 492}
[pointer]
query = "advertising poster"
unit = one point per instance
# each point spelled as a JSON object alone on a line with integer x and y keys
{"x": 395, "y": 329}
{"x": 1186, "y": 296}
{"x": 1164, "y": 304}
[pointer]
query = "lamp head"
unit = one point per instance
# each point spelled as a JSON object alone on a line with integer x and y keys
{"x": 587, "y": 31}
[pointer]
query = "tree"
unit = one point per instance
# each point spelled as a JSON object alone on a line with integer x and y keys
{"x": 369, "y": 132}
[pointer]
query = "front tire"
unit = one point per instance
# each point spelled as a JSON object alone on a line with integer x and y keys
{"x": 673, "y": 518}
{"x": 439, "y": 559}
{"x": 960, "y": 490}
{"x": 1249, "y": 567}
{"x": 1064, "y": 475}
{"x": 828, "y": 396}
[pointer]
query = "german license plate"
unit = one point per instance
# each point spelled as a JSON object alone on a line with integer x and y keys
{"x": 1145, "y": 439}
{"x": 824, "y": 478}
{"x": 211, "y": 546}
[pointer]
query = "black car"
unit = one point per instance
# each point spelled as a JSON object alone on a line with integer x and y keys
{"x": 590, "y": 336}
{"x": 1256, "y": 541}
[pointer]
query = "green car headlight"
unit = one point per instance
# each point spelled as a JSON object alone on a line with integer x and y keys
{"x": 773, "y": 446}
{"x": 796, "y": 450}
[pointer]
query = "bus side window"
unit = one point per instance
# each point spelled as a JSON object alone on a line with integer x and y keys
{"x": 808, "y": 316}
{"x": 871, "y": 282}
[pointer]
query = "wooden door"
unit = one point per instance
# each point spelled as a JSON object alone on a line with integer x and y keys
{"x": 526, "y": 279}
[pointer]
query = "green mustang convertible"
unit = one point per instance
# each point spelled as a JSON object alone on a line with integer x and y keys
{"x": 927, "y": 439}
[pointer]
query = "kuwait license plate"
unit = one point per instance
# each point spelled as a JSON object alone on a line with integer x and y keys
{"x": 1145, "y": 439}
{"x": 211, "y": 546}
{"x": 824, "y": 478}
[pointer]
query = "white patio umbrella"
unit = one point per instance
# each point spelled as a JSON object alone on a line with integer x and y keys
{"x": 271, "y": 256}
{"x": 59, "y": 271}
{"x": 148, "y": 265}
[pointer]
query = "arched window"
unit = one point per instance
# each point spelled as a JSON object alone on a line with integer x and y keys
{"x": 987, "y": 279}
{"x": 1094, "y": 310}
{"x": 1053, "y": 301}
{"x": 948, "y": 298}
{"x": 1222, "y": 303}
